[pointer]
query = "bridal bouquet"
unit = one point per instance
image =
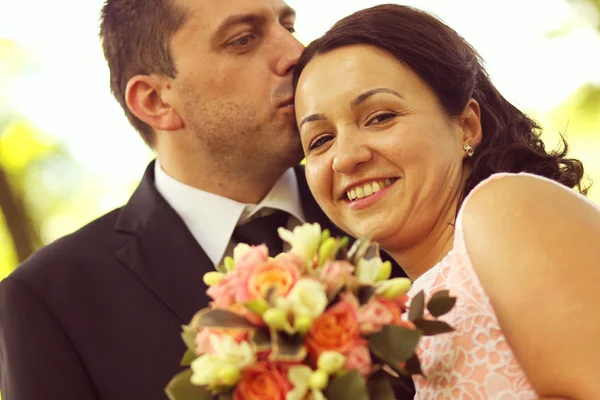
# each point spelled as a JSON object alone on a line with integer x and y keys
{"x": 321, "y": 321}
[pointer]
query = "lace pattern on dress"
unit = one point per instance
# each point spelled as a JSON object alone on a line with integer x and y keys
{"x": 474, "y": 361}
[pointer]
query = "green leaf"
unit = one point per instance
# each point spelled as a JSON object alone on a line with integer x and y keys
{"x": 189, "y": 337}
{"x": 180, "y": 388}
{"x": 227, "y": 396}
{"x": 221, "y": 269}
{"x": 441, "y": 303}
{"x": 222, "y": 319}
{"x": 431, "y": 328}
{"x": 413, "y": 366}
{"x": 417, "y": 307}
{"x": 261, "y": 338}
{"x": 348, "y": 386}
{"x": 380, "y": 386}
{"x": 394, "y": 344}
{"x": 188, "y": 357}
{"x": 365, "y": 292}
{"x": 286, "y": 347}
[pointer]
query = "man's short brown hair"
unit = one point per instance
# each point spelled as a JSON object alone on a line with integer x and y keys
{"x": 136, "y": 37}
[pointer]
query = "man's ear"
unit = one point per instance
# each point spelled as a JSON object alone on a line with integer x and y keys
{"x": 470, "y": 124}
{"x": 144, "y": 97}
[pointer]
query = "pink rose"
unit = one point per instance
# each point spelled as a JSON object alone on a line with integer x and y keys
{"x": 334, "y": 274}
{"x": 255, "y": 256}
{"x": 223, "y": 293}
{"x": 203, "y": 345}
{"x": 292, "y": 259}
{"x": 359, "y": 358}
{"x": 377, "y": 313}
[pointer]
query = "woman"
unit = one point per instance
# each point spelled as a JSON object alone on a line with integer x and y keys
{"x": 406, "y": 139}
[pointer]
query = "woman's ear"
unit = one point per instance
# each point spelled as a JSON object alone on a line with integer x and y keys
{"x": 144, "y": 96}
{"x": 470, "y": 124}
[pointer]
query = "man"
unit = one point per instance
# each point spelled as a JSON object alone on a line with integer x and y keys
{"x": 98, "y": 314}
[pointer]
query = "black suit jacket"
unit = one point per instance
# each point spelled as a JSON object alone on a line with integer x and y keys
{"x": 98, "y": 314}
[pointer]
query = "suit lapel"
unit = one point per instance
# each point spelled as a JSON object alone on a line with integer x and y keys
{"x": 162, "y": 252}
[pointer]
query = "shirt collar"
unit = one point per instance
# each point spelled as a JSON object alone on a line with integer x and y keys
{"x": 212, "y": 218}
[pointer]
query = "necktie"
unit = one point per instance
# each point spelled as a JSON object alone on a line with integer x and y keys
{"x": 263, "y": 230}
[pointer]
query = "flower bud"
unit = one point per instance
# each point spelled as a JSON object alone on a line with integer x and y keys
{"x": 212, "y": 278}
{"x": 394, "y": 288}
{"x": 318, "y": 380}
{"x": 331, "y": 361}
{"x": 229, "y": 263}
{"x": 229, "y": 375}
{"x": 275, "y": 318}
{"x": 327, "y": 250}
{"x": 385, "y": 271}
{"x": 302, "y": 323}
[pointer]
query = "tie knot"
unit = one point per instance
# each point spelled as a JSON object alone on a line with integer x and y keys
{"x": 263, "y": 230}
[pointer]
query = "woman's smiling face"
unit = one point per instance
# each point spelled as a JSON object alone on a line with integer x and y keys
{"x": 382, "y": 156}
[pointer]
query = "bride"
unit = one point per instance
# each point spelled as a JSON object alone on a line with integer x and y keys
{"x": 407, "y": 139}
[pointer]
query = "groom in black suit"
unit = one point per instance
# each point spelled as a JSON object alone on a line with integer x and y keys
{"x": 98, "y": 314}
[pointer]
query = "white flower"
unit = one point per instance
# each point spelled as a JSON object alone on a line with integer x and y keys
{"x": 367, "y": 271}
{"x": 305, "y": 240}
{"x": 307, "y": 298}
{"x": 205, "y": 370}
{"x": 240, "y": 250}
{"x": 224, "y": 365}
{"x": 231, "y": 352}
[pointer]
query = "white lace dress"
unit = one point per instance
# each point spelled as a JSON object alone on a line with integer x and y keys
{"x": 474, "y": 361}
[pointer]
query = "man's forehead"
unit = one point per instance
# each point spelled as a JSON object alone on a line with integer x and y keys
{"x": 212, "y": 13}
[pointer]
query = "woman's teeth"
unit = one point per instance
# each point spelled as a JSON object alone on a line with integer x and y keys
{"x": 368, "y": 189}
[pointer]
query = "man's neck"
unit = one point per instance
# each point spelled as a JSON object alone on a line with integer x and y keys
{"x": 247, "y": 186}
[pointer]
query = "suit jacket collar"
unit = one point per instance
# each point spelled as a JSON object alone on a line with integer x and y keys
{"x": 162, "y": 252}
{"x": 167, "y": 258}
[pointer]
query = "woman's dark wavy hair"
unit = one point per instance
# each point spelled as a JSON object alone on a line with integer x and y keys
{"x": 453, "y": 69}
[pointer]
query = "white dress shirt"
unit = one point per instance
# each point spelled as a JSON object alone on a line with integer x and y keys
{"x": 212, "y": 218}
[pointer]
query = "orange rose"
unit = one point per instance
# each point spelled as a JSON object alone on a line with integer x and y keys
{"x": 268, "y": 275}
{"x": 336, "y": 330}
{"x": 262, "y": 381}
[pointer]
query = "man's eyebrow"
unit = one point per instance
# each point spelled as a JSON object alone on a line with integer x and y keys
{"x": 312, "y": 118}
{"x": 364, "y": 96}
{"x": 251, "y": 19}
{"x": 286, "y": 12}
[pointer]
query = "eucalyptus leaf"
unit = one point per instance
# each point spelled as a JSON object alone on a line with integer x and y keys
{"x": 431, "y": 328}
{"x": 223, "y": 319}
{"x": 413, "y": 366}
{"x": 417, "y": 307}
{"x": 359, "y": 249}
{"x": 188, "y": 357}
{"x": 180, "y": 388}
{"x": 365, "y": 292}
{"x": 440, "y": 303}
{"x": 287, "y": 348}
{"x": 380, "y": 386}
{"x": 372, "y": 251}
{"x": 188, "y": 335}
{"x": 261, "y": 338}
{"x": 394, "y": 344}
{"x": 348, "y": 386}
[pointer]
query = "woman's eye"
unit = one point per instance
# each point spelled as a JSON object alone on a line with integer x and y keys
{"x": 320, "y": 141}
{"x": 380, "y": 118}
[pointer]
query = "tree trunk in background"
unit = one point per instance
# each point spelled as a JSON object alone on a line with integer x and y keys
{"x": 20, "y": 228}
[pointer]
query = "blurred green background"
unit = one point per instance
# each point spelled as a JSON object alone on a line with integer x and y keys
{"x": 68, "y": 155}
